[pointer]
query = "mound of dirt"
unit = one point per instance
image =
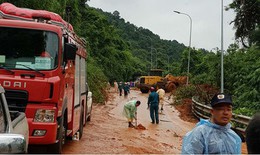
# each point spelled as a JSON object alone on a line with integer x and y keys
{"x": 140, "y": 127}
{"x": 185, "y": 111}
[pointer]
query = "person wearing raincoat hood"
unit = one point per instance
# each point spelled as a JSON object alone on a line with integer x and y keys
{"x": 214, "y": 136}
{"x": 129, "y": 111}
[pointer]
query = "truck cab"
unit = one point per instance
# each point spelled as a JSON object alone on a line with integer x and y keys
{"x": 43, "y": 70}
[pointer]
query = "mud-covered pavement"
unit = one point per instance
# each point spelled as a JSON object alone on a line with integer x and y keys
{"x": 108, "y": 132}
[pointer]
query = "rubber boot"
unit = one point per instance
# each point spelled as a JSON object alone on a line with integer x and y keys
{"x": 130, "y": 125}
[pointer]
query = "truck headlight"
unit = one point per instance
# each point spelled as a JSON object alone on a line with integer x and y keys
{"x": 44, "y": 115}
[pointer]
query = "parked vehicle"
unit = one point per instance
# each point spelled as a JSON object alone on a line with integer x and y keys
{"x": 144, "y": 83}
{"x": 156, "y": 80}
{"x": 43, "y": 70}
{"x": 14, "y": 130}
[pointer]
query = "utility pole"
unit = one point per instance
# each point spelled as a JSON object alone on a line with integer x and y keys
{"x": 222, "y": 51}
{"x": 188, "y": 69}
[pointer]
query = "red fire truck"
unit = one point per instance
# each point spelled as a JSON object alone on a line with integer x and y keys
{"x": 43, "y": 69}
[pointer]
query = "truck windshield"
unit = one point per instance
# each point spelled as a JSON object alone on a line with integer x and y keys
{"x": 35, "y": 49}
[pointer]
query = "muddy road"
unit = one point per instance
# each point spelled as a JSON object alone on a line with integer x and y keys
{"x": 108, "y": 132}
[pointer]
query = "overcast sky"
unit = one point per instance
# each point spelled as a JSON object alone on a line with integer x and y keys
{"x": 158, "y": 17}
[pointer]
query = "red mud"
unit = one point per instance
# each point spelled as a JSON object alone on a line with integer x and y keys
{"x": 140, "y": 127}
{"x": 186, "y": 112}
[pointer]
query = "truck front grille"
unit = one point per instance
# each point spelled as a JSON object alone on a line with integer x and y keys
{"x": 16, "y": 99}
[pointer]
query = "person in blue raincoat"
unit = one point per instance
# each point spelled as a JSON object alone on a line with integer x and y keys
{"x": 130, "y": 109}
{"x": 153, "y": 105}
{"x": 126, "y": 89}
{"x": 214, "y": 136}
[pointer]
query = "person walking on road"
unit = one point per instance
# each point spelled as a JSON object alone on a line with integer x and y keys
{"x": 214, "y": 136}
{"x": 120, "y": 87}
{"x": 126, "y": 89}
{"x": 130, "y": 109}
{"x": 115, "y": 87}
{"x": 161, "y": 94}
{"x": 153, "y": 105}
{"x": 253, "y": 135}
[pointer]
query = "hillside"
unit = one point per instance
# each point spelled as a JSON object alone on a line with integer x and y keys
{"x": 146, "y": 47}
{"x": 119, "y": 50}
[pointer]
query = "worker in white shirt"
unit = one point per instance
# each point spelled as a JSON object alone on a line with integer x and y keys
{"x": 161, "y": 94}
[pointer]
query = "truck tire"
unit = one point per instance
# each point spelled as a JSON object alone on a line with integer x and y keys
{"x": 144, "y": 90}
{"x": 89, "y": 115}
{"x": 81, "y": 123}
{"x": 62, "y": 132}
{"x": 89, "y": 118}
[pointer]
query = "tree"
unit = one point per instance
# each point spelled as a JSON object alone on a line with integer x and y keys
{"x": 246, "y": 21}
{"x": 116, "y": 14}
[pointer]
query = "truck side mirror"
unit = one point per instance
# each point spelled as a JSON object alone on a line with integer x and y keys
{"x": 13, "y": 143}
{"x": 70, "y": 51}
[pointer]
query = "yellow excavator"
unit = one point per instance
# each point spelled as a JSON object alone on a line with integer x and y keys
{"x": 156, "y": 80}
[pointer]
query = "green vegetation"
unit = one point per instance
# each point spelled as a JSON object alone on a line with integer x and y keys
{"x": 119, "y": 50}
{"x": 247, "y": 21}
{"x": 95, "y": 74}
{"x": 184, "y": 92}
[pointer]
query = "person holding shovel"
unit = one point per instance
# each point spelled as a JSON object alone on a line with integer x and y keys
{"x": 130, "y": 109}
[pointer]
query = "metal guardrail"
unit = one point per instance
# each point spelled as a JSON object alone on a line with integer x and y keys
{"x": 239, "y": 122}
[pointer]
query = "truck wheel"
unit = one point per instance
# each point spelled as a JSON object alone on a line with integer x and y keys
{"x": 62, "y": 132}
{"x": 144, "y": 90}
{"x": 89, "y": 115}
{"x": 81, "y": 124}
{"x": 89, "y": 118}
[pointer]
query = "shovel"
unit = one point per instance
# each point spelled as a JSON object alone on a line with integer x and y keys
{"x": 135, "y": 119}
{"x": 140, "y": 126}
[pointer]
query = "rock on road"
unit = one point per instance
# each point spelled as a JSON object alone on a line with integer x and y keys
{"x": 108, "y": 132}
